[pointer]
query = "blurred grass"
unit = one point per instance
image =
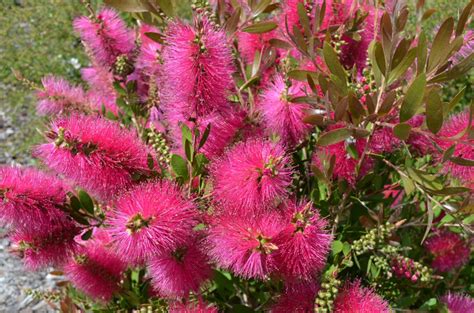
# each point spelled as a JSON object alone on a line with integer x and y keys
{"x": 37, "y": 39}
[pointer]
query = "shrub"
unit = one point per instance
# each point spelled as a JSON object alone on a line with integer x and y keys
{"x": 293, "y": 156}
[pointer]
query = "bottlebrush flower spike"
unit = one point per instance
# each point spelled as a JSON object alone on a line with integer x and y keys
{"x": 245, "y": 244}
{"x": 192, "y": 307}
{"x": 59, "y": 96}
{"x": 96, "y": 271}
{"x": 355, "y": 298}
{"x": 150, "y": 219}
{"x": 450, "y": 251}
{"x": 345, "y": 163}
{"x": 383, "y": 141}
{"x": 420, "y": 143}
{"x": 30, "y": 198}
{"x": 458, "y": 303}
{"x": 95, "y": 153}
{"x": 46, "y": 245}
{"x": 101, "y": 92}
{"x": 281, "y": 116}
{"x": 298, "y": 298}
{"x": 252, "y": 175}
{"x": 463, "y": 149}
{"x": 249, "y": 44}
{"x": 176, "y": 273}
{"x": 224, "y": 126}
{"x": 106, "y": 36}
{"x": 198, "y": 63}
{"x": 303, "y": 244}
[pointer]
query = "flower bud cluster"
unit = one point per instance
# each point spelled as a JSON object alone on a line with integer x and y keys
{"x": 370, "y": 240}
{"x": 122, "y": 66}
{"x": 159, "y": 144}
{"x": 404, "y": 267}
{"x": 327, "y": 294}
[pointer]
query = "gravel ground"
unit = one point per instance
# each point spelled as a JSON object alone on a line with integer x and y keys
{"x": 14, "y": 278}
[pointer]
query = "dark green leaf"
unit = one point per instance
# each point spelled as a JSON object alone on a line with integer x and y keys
{"x": 86, "y": 201}
{"x": 449, "y": 191}
{"x": 166, "y": 6}
{"x": 233, "y": 21}
{"x": 448, "y": 153}
{"x": 260, "y": 8}
{"x": 422, "y": 53}
{"x": 301, "y": 75}
{"x": 456, "y": 71}
{"x": 205, "y": 135}
{"x": 87, "y": 235}
{"x": 75, "y": 203}
{"x": 334, "y": 136}
{"x": 462, "y": 161}
{"x": 150, "y": 162}
{"x": 260, "y": 27}
{"x": 402, "y": 131}
{"x": 413, "y": 98}
{"x": 304, "y": 20}
{"x": 278, "y": 43}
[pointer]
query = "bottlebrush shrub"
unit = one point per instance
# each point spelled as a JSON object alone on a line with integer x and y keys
{"x": 281, "y": 156}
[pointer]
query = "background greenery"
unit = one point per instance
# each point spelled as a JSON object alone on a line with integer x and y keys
{"x": 37, "y": 39}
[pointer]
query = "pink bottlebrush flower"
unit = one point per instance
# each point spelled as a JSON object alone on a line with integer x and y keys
{"x": 96, "y": 271}
{"x": 245, "y": 244}
{"x": 354, "y": 52}
{"x": 46, "y": 245}
{"x": 464, "y": 147}
{"x": 297, "y": 298}
{"x": 59, "y": 96}
{"x": 199, "y": 68}
{"x": 467, "y": 49}
{"x": 192, "y": 307}
{"x": 252, "y": 175}
{"x": 95, "y": 153}
{"x": 303, "y": 244}
{"x": 458, "y": 303}
{"x": 101, "y": 92}
{"x": 151, "y": 218}
{"x": 418, "y": 142}
{"x": 30, "y": 198}
{"x": 383, "y": 141}
{"x": 345, "y": 163}
{"x": 176, "y": 273}
{"x": 106, "y": 36}
{"x": 281, "y": 116}
{"x": 355, "y": 298}
{"x": 250, "y": 43}
{"x": 449, "y": 249}
{"x": 224, "y": 126}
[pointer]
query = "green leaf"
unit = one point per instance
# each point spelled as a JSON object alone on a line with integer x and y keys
{"x": 233, "y": 21}
{"x": 205, "y": 135}
{"x": 413, "y": 98}
{"x": 75, "y": 203}
{"x": 156, "y": 37}
{"x": 456, "y": 71}
{"x": 166, "y": 6}
{"x": 346, "y": 249}
{"x": 281, "y": 44}
{"x": 464, "y": 18}
{"x": 334, "y": 136}
{"x": 180, "y": 166}
{"x": 150, "y": 162}
{"x": 448, "y": 153}
{"x": 87, "y": 235}
{"x": 434, "y": 111}
{"x": 332, "y": 61}
{"x": 449, "y": 191}
{"x": 260, "y": 27}
{"x": 200, "y": 162}
{"x": 260, "y": 8}
{"x": 86, "y": 201}
{"x": 408, "y": 185}
{"x": 301, "y": 75}
{"x": 336, "y": 247}
{"x": 128, "y": 5}
{"x": 304, "y": 20}
{"x": 462, "y": 161}
{"x": 402, "y": 131}
{"x": 422, "y": 53}
{"x": 403, "y": 66}
{"x": 440, "y": 49}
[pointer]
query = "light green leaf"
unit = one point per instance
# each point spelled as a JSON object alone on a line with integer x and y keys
{"x": 413, "y": 98}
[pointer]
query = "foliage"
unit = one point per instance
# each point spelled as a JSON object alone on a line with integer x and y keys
{"x": 294, "y": 155}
